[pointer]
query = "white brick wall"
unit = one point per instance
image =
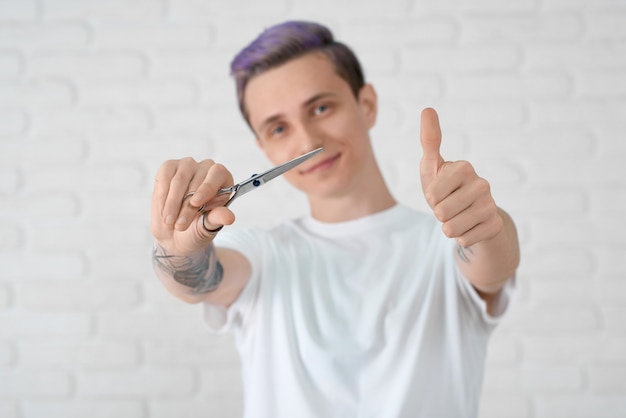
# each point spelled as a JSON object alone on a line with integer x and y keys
{"x": 95, "y": 94}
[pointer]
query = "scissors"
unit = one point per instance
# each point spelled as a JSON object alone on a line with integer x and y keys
{"x": 241, "y": 188}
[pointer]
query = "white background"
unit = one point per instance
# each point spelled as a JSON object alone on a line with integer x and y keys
{"x": 96, "y": 94}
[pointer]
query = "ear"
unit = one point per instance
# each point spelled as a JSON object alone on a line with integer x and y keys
{"x": 368, "y": 101}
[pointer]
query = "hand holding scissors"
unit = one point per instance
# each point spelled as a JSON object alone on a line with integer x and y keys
{"x": 237, "y": 190}
{"x": 186, "y": 191}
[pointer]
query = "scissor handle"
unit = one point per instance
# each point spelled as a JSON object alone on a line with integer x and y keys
{"x": 228, "y": 190}
{"x": 225, "y": 190}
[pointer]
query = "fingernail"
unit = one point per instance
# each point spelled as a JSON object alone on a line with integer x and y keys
{"x": 182, "y": 220}
{"x": 169, "y": 220}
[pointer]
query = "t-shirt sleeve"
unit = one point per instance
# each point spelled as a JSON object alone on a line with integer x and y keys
{"x": 220, "y": 319}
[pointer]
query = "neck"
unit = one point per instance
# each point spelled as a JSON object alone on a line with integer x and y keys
{"x": 364, "y": 198}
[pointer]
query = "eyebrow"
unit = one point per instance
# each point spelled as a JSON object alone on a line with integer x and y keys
{"x": 306, "y": 103}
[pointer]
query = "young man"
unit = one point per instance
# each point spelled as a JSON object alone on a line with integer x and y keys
{"x": 364, "y": 308}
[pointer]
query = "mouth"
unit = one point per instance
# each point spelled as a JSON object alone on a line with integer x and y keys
{"x": 322, "y": 165}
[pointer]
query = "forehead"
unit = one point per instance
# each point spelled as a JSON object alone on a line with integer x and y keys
{"x": 280, "y": 89}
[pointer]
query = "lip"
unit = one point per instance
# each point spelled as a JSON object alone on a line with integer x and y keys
{"x": 325, "y": 163}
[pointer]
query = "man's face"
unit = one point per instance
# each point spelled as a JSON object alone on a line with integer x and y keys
{"x": 303, "y": 105}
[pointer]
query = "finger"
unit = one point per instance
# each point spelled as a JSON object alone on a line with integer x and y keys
{"x": 442, "y": 188}
{"x": 215, "y": 219}
{"x": 467, "y": 219}
{"x": 167, "y": 182}
{"x": 187, "y": 212}
{"x": 481, "y": 232}
{"x": 452, "y": 205}
{"x": 179, "y": 184}
{"x": 430, "y": 139}
{"x": 216, "y": 178}
{"x": 456, "y": 189}
{"x": 159, "y": 195}
{"x": 206, "y": 182}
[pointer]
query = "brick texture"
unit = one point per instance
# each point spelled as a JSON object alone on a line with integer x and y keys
{"x": 95, "y": 95}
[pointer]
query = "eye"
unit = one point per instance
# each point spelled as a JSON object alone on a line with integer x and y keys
{"x": 318, "y": 110}
{"x": 277, "y": 130}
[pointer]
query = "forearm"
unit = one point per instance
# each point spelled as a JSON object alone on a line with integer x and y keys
{"x": 489, "y": 263}
{"x": 190, "y": 278}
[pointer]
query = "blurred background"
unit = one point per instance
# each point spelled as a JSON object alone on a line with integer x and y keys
{"x": 95, "y": 95}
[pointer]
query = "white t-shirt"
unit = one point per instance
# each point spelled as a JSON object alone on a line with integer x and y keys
{"x": 365, "y": 318}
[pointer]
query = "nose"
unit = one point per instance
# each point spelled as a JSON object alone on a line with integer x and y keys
{"x": 309, "y": 139}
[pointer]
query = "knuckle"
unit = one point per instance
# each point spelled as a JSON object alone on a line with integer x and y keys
{"x": 430, "y": 197}
{"x": 498, "y": 223}
{"x": 186, "y": 166}
{"x": 467, "y": 166}
{"x": 207, "y": 163}
{"x": 188, "y": 161}
{"x": 168, "y": 166}
{"x": 491, "y": 211}
{"x": 175, "y": 168}
{"x": 440, "y": 213}
{"x": 464, "y": 167}
{"x": 219, "y": 170}
{"x": 463, "y": 241}
{"x": 483, "y": 186}
{"x": 448, "y": 230}
{"x": 181, "y": 164}
{"x": 218, "y": 167}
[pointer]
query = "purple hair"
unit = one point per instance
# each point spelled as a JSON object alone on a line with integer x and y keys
{"x": 286, "y": 41}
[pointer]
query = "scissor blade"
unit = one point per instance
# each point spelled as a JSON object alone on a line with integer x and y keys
{"x": 260, "y": 179}
{"x": 283, "y": 168}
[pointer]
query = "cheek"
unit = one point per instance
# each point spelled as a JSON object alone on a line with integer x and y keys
{"x": 278, "y": 152}
{"x": 294, "y": 179}
{"x": 341, "y": 129}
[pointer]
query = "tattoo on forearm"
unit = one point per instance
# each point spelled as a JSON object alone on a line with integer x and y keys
{"x": 462, "y": 253}
{"x": 202, "y": 273}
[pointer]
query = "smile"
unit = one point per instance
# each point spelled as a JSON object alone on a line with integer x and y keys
{"x": 322, "y": 165}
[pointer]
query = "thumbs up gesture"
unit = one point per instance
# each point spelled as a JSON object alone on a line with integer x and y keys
{"x": 460, "y": 199}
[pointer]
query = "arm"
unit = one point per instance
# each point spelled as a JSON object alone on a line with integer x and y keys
{"x": 488, "y": 264}
{"x": 212, "y": 275}
{"x": 184, "y": 256}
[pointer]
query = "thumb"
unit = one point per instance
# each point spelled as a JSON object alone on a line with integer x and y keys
{"x": 213, "y": 220}
{"x": 430, "y": 138}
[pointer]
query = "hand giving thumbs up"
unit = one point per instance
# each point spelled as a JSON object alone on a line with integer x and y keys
{"x": 460, "y": 199}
